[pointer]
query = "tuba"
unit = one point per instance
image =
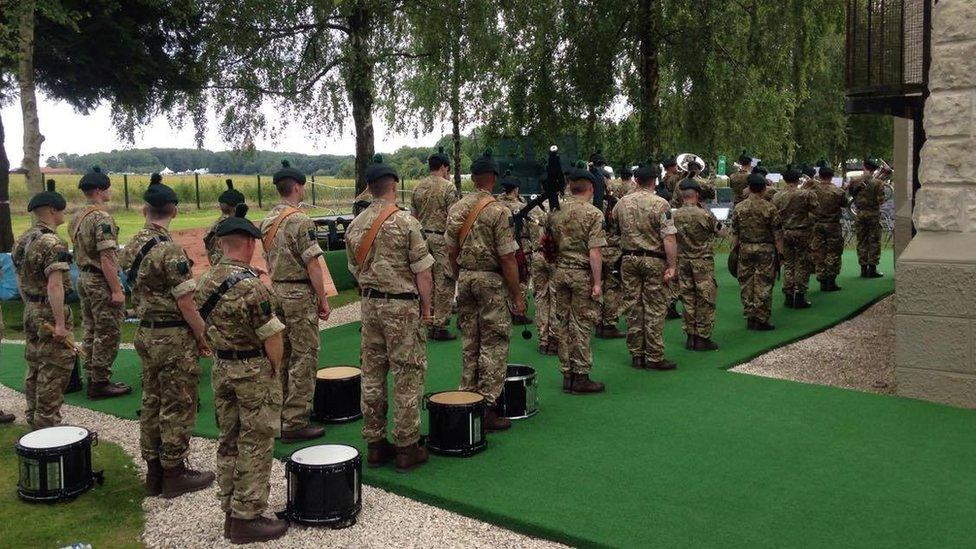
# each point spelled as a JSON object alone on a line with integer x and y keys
{"x": 685, "y": 159}
{"x": 883, "y": 172}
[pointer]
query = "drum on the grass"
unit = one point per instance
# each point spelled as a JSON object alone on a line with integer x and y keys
{"x": 455, "y": 423}
{"x": 337, "y": 392}
{"x": 324, "y": 485}
{"x": 55, "y": 463}
{"x": 518, "y": 399}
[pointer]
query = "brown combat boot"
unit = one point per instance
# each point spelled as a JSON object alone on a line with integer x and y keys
{"x": 6, "y": 418}
{"x": 800, "y": 301}
{"x": 179, "y": 480}
{"x": 494, "y": 422}
{"x": 154, "y": 478}
{"x": 258, "y": 529}
{"x": 227, "y": 520}
{"x": 663, "y": 364}
{"x": 583, "y": 385}
{"x": 873, "y": 272}
{"x": 439, "y": 333}
{"x": 567, "y": 383}
{"x": 704, "y": 344}
{"x": 307, "y": 432}
{"x": 637, "y": 362}
{"x": 379, "y": 453}
{"x": 672, "y": 313}
{"x": 690, "y": 342}
{"x": 521, "y": 320}
{"x": 410, "y": 457}
{"x": 757, "y": 325}
{"x": 608, "y": 331}
{"x": 106, "y": 389}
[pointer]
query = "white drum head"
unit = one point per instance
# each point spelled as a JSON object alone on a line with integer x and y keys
{"x": 324, "y": 454}
{"x": 53, "y": 437}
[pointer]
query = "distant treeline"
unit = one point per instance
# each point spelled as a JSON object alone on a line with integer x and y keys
{"x": 178, "y": 160}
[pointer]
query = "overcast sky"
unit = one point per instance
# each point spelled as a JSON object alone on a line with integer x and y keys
{"x": 67, "y": 131}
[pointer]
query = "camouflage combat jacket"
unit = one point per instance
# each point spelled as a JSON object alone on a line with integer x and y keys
{"x": 92, "y": 234}
{"x": 398, "y": 253}
{"x": 37, "y": 253}
{"x": 756, "y": 221}
{"x": 577, "y": 227}
{"x": 490, "y": 237}
{"x": 868, "y": 194}
{"x": 796, "y": 207}
{"x": 294, "y": 245}
{"x": 642, "y": 220}
{"x": 697, "y": 229}
{"x": 431, "y": 200}
{"x": 165, "y": 274}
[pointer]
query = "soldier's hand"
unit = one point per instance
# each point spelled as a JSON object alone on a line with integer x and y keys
{"x": 258, "y": 270}
{"x": 670, "y": 273}
{"x": 203, "y": 349}
{"x": 518, "y": 305}
{"x": 597, "y": 292}
{"x": 118, "y": 298}
{"x": 324, "y": 310}
{"x": 60, "y": 332}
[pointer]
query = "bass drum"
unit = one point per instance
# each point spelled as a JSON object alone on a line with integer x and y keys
{"x": 56, "y": 464}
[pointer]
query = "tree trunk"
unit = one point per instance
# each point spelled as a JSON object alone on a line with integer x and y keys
{"x": 456, "y": 98}
{"x": 798, "y": 76}
{"x": 360, "y": 81}
{"x": 648, "y": 35}
{"x": 28, "y": 99}
{"x": 6, "y": 228}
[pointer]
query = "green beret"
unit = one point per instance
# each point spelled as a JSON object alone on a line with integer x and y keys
{"x": 872, "y": 163}
{"x": 510, "y": 181}
{"x": 597, "y": 159}
{"x": 757, "y": 182}
{"x": 826, "y": 171}
{"x": 690, "y": 185}
{"x": 238, "y": 223}
{"x": 669, "y": 161}
{"x": 94, "y": 179}
{"x": 648, "y": 171}
{"x": 761, "y": 170}
{"x": 792, "y": 175}
{"x": 157, "y": 194}
{"x": 50, "y": 197}
{"x": 287, "y": 172}
{"x": 808, "y": 171}
{"x": 440, "y": 157}
{"x": 745, "y": 158}
{"x": 231, "y": 196}
{"x": 579, "y": 171}
{"x": 484, "y": 164}
{"x": 626, "y": 171}
{"x": 378, "y": 169}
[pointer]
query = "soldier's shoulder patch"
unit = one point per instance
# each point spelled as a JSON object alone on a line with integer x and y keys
{"x": 311, "y": 234}
{"x": 183, "y": 267}
{"x": 266, "y": 307}
{"x": 106, "y": 228}
{"x": 64, "y": 257}
{"x": 667, "y": 213}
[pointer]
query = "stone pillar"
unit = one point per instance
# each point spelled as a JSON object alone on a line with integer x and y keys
{"x": 901, "y": 181}
{"x": 936, "y": 284}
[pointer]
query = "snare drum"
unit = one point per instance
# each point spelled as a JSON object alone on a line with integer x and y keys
{"x": 55, "y": 463}
{"x": 337, "y": 392}
{"x": 324, "y": 485}
{"x": 455, "y": 423}
{"x": 518, "y": 399}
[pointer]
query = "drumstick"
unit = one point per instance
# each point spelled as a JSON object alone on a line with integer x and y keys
{"x": 68, "y": 342}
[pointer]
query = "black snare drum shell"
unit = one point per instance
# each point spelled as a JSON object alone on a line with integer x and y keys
{"x": 324, "y": 494}
{"x": 50, "y": 475}
{"x": 337, "y": 400}
{"x": 519, "y": 396}
{"x": 456, "y": 430}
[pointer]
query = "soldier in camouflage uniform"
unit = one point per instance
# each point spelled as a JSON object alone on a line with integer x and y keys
{"x": 542, "y": 272}
{"x": 169, "y": 340}
{"x": 647, "y": 238}
{"x": 671, "y": 178}
{"x": 293, "y": 255}
{"x": 626, "y": 184}
{"x": 511, "y": 199}
{"x": 227, "y": 201}
{"x": 827, "y": 246}
{"x": 484, "y": 265}
{"x": 95, "y": 237}
{"x": 432, "y": 197}
{"x": 707, "y": 187}
{"x": 796, "y": 211}
{"x": 758, "y": 235}
{"x": 577, "y": 284}
{"x": 867, "y": 193}
{"x": 610, "y": 305}
{"x": 697, "y": 229}
{"x": 248, "y": 347}
{"x": 739, "y": 181}
{"x": 42, "y": 262}
{"x": 395, "y": 281}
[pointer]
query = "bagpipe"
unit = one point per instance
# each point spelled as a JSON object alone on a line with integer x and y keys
{"x": 552, "y": 186}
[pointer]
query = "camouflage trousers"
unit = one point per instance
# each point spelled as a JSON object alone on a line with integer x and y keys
{"x": 757, "y": 276}
{"x": 299, "y": 306}
{"x": 612, "y": 296}
{"x": 170, "y": 377}
{"x": 826, "y": 247}
{"x": 444, "y": 284}
{"x": 49, "y": 365}
{"x": 797, "y": 260}
{"x": 576, "y": 313}
{"x": 698, "y": 292}
{"x": 868, "y": 227}
{"x": 247, "y": 410}
{"x": 486, "y": 324}
{"x": 542, "y": 272}
{"x": 392, "y": 340}
{"x": 648, "y": 306}
{"x": 101, "y": 323}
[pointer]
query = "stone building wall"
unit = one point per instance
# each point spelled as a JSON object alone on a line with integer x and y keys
{"x": 935, "y": 356}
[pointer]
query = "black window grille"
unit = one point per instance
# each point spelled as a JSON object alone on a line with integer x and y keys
{"x": 886, "y": 47}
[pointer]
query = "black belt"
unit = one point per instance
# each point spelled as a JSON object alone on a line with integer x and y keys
{"x": 441, "y": 233}
{"x": 90, "y": 270}
{"x": 293, "y": 281}
{"x": 373, "y": 294}
{"x": 496, "y": 271}
{"x": 34, "y": 298}
{"x": 574, "y": 267}
{"x": 645, "y": 253}
{"x": 238, "y": 355}
{"x": 796, "y": 228}
{"x": 756, "y": 242}
{"x": 146, "y": 323}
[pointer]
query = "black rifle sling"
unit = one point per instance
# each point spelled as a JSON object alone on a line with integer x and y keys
{"x": 143, "y": 252}
{"x": 208, "y": 306}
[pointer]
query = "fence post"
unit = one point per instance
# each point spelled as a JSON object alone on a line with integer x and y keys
{"x": 196, "y": 183}
{"x": 313, "y": 190}
{"x": 125, "y": 189}
{"x": 403, "y": 190}
{"x": 259, "y": 192}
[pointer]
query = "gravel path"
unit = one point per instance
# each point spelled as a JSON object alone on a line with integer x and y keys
{"x": 858, "y": 354}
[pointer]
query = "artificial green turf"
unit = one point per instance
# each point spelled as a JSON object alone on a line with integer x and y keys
{"x": 697, "y": 456}
{"x": 109, "y": 515}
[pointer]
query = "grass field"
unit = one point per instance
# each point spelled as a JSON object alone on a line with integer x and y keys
{"x": 107, "y": 516}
